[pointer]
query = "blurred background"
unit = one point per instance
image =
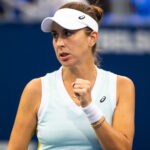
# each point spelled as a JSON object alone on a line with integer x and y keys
{"x": 27, "y": 53}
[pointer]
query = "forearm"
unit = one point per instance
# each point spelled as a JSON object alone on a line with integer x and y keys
{"x": 111, "y": 139}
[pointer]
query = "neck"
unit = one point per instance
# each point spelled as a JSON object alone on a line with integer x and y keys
{"x": 86, "y": 72}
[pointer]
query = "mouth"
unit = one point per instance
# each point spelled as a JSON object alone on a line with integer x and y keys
{"x": 64, "y": 56}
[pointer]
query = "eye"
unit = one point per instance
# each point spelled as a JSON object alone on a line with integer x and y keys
{"x": 67, "y": 33}
{"x": 54, "y": 34}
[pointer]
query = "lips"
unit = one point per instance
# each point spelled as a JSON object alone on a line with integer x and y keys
{"x": 64, "y": 56}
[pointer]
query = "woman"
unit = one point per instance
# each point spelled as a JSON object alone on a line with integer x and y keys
{"x": 78, "y": 106}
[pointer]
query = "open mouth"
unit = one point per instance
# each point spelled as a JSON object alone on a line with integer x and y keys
{"x": 64, "y": 54}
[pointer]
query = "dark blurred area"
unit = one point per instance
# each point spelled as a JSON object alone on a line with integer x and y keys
{"x": 26, "y": 53}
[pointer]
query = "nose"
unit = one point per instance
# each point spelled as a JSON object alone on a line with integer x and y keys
{"x": 60, "y": 41}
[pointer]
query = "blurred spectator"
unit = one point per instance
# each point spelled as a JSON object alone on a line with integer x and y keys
{"x": 41, "y": 8}
{"x": 116, "y": 12}
{"x": 35, "y": 10}
{"x": 121, "y": 7}
{"x": 13, "y": 9}
{"x": 2, "y": 10}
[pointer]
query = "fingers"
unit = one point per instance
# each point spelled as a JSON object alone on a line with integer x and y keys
{"x": 82, "y": 90}
{"x": 81, "y": 84}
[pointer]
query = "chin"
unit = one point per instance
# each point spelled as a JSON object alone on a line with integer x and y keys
{"x": 68, "y": 64}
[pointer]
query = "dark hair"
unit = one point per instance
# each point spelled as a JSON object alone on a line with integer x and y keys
{"x": 95, "y": 12}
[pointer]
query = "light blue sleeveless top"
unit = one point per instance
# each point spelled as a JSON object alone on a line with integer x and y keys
{"x": 62, "y": 125}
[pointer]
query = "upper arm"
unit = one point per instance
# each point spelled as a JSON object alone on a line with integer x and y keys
{"x": 123, "y": 119}
{"x": 26, "y": 118}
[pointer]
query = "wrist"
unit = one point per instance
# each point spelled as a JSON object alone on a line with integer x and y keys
{"x": 85, "y": 104}
{"x": 98, "y": 124}
{"x": 92, "y": 112}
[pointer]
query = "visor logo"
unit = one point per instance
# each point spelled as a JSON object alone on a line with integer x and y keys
{"x": 81, "y": 17}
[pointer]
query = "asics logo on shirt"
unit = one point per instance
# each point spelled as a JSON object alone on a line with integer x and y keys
{"x": 103, "y": 99}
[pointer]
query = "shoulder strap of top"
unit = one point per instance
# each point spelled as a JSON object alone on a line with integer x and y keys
{"x": 113, "y": 88}
{"x": 43, "y": 99}
{"x": 46, "y": 82}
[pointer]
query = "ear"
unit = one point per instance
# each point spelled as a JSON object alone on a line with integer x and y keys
{"x": 93, "y": 38}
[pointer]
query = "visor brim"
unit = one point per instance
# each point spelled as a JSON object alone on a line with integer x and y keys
{"x": 65, "y": 23}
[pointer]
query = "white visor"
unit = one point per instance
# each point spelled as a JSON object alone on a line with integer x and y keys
{"x": 70, "y": 19}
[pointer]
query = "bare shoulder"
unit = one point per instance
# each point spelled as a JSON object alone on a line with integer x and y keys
{"x": 125, "y": 86}
{"x": 124, "y": 83}
{"x": 124, "y": 80}
{"x": 31, "y": 95}
{"x": 34, "y": 86}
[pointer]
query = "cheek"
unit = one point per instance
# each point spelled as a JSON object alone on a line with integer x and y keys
{"x": 78, "y": 45}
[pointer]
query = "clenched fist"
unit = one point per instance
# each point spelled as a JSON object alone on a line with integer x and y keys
{"x": 82, "y": 90}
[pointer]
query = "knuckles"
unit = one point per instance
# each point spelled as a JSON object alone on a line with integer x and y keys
{"x": 82, "y": 87}
{"x": 80, "y": 83}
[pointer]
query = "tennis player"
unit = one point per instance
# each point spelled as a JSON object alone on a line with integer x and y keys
{"x": 79, "y": 106}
